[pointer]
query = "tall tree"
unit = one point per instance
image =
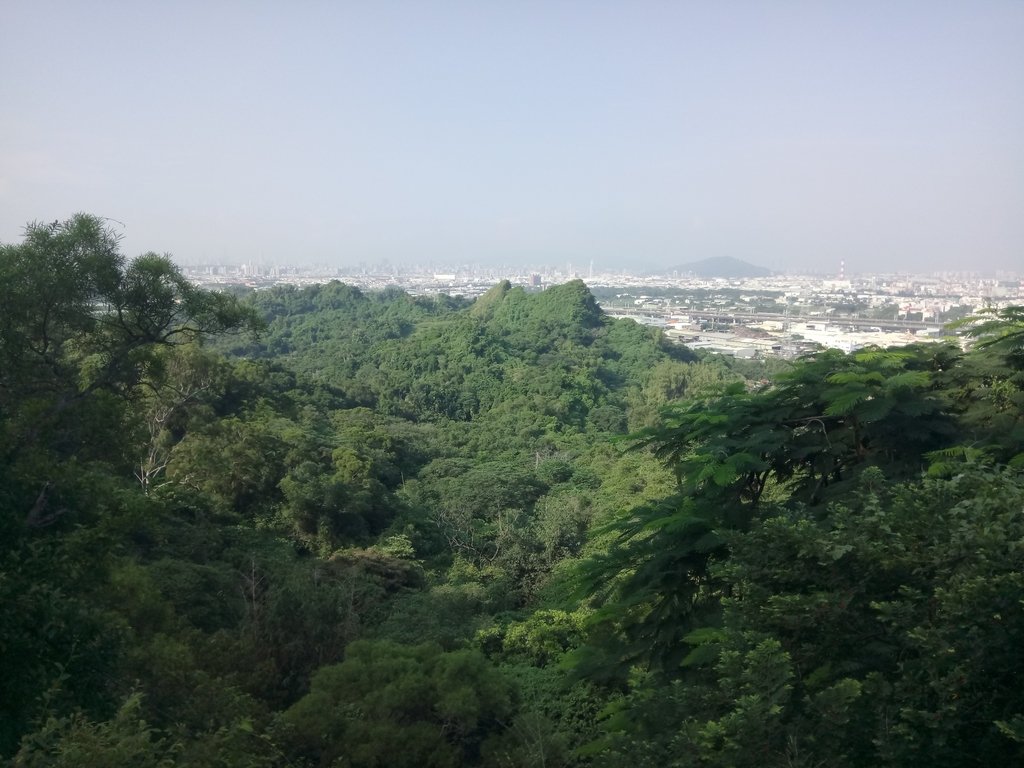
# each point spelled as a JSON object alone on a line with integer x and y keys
{"x": 80, "y": 320}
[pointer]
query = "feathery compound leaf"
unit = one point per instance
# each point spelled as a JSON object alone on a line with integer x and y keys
{"x": 856, "y": 377}
{"x": 1001, "y": 328}
{"x": 882, "y": 358}
{"x": 911, "y": 379}
{"x": 845, "y": 402}
{"x": 725, "y": 474}
{"x": 746, "y": 462}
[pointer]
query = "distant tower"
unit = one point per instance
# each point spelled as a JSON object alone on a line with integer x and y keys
{"x": 842, "y": 269}
{"x": 591, "y": 269}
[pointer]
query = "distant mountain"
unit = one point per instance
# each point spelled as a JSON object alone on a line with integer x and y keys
{"x": 720, "y": 266}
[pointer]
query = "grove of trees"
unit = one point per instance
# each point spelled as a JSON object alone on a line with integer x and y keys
{"x": 327, "y": 527}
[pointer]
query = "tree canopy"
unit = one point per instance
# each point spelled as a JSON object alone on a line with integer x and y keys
{"x": 396, "y": 530}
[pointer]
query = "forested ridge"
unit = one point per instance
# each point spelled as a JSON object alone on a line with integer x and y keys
{"x": 327, "y": 527}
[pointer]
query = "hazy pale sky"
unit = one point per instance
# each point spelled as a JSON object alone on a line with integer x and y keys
{"x": 790, "y": 134}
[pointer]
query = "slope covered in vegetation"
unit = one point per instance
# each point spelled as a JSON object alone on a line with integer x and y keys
{"x": 327, "y": 527}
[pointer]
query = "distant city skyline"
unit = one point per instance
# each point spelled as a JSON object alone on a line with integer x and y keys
{"x": 323, "y": 273}
{"x": 640, "y": 136}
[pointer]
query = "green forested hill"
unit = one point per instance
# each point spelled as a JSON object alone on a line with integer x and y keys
{"x": 431, "y": 359}
{"x": 323, "y": 527}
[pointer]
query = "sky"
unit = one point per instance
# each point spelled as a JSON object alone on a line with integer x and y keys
{"x": 793, "y": 135}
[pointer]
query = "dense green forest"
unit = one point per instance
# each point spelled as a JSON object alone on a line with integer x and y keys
{"x": 323, "y": 527}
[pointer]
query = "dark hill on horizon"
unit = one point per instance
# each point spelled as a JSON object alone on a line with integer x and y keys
{"x": 720, "y": 266}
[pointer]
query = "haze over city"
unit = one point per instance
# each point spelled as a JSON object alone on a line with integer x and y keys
{"x": 638, "y": 135}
